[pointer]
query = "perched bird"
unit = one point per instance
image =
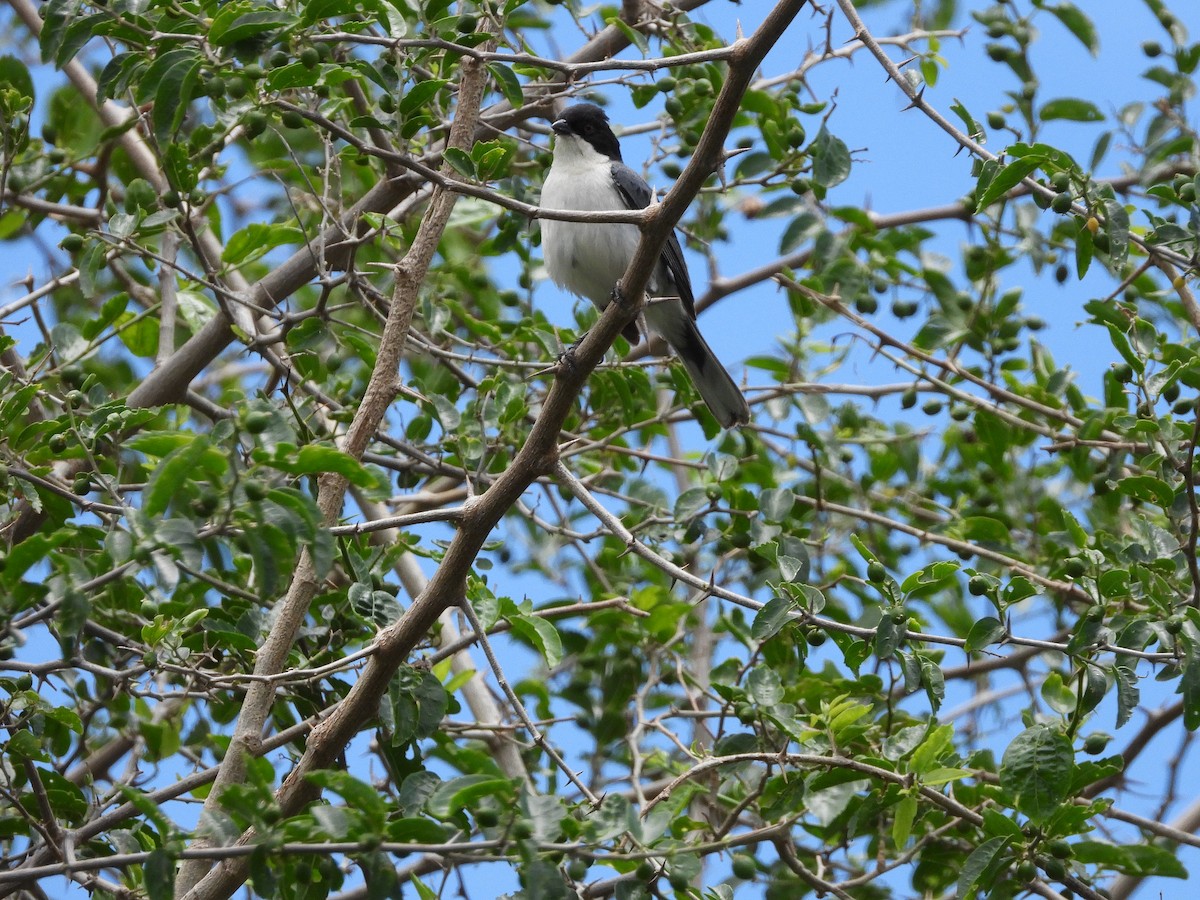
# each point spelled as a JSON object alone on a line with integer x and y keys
{"x": 589, "y": 258}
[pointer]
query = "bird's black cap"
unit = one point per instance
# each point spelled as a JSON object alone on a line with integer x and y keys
{"x": 589, "y": 122}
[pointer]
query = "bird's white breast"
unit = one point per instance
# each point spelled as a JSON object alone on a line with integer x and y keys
{"x": 584, "y": 258}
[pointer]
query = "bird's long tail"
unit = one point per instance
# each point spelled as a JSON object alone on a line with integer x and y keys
{"x": 717, "y": 389}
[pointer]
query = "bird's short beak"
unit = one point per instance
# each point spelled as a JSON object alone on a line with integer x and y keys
{"x": 560, "y": 126}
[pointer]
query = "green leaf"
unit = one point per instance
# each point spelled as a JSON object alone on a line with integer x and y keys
{"x": 1189, "y": 687}
{"x": 765, "y": 687}
{"x": 636, "y": 38}
{"x": 465, "y": 792}
{"x": 418, "y": 95}
{"x": 1058, "y": 696}
{"x": 1138, "y": 860}
{"x": 906, "y": 812}
{"x": 461, "y": 161}
{"x": 175, "y": 91}
{"x": 691, "y": 503}
{"x": 769, "y": 620}
{"x": 612, "y": 818}
{"x": 358, "y": 794}
{"x": 1116, "y": 224}
{"x": 417, "y": 703}
{"x": 1007, "y": 179}
{"x": 239, "y": 20}
{"x": 510, "y": 87}
{"x": 176, "y": 469}
{"x": 933, "y": 680}
{"x": 1084, "y": 250}
{"x": 945, "y": 775}
{"x": 293, "y": 75}
{"x": 256, "y": 239}
{"x": 985, "y": 632}
{"x": 1036, "y": 770}
{"x": 540, "y": 633}
{"x": 1149, "y": 489}
{"x": 159, "y": 873}
{"x": 66, "y": 800}
{"x": 1128, "y": 693}
{"x": 415, "y": 830}
{"x": 76, "y": 36}
{"x": 776, "y": 504}
{"x": 314, "y": 459}
{"x": 1071, "y": 109}
{"x": 14, "y": 75}
{"x": 1077, "y": 23}
{"x": 984, "y": 529}
{"x": 973, "y": 128}
{"x": 982, "y": 859}
{"x": 830, "y": 159}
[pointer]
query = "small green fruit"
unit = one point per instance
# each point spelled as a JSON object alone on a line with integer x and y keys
{"x": 1062, "y": 202}
{"x": 522, "y": 830}
{"x": 1094, "y": 744}
{"x": 1059, "y": 849}
{"x": 744, "y": 867}
{"x": 577, "y": 869}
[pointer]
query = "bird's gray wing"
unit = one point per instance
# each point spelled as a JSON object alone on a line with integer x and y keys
{"x": 636, "y": 194}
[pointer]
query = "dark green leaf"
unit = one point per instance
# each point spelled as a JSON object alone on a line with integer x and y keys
{"x": 981, "y": 859}
{"x": 831, "y": 159}
{"x": 1077, "y": 23}
{"x": 176, "y": 469}
{"x": 1007, "y": 179}
{"x": 465, "y": 792}
{"x": 1148, "y": 488}
{"x": 769, "y": 620}
{"x": 461, "y": 161}
{"x": 159, "y": 872}
{"x": 509, "y": 86}
{"x": 1072, "y": 109}
{"x": 14, "y": 74}
{"x": 984, "y": 633}
{"x": 239, "y": 20}
{"x": 1036, "y": 770}
{"x": 420, "y": 94}
{"x": 1128, "y": 693}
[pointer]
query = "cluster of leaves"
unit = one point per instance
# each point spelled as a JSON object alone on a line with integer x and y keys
{"x": 782, "y": 720}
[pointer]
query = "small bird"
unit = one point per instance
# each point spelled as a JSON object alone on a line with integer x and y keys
{"x": 589, "y": 258}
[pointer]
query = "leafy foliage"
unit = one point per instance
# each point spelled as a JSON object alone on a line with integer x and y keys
{"x": 266, "y": 554}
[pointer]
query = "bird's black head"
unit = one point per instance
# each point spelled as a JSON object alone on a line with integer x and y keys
{"x": 589, "y": 123}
